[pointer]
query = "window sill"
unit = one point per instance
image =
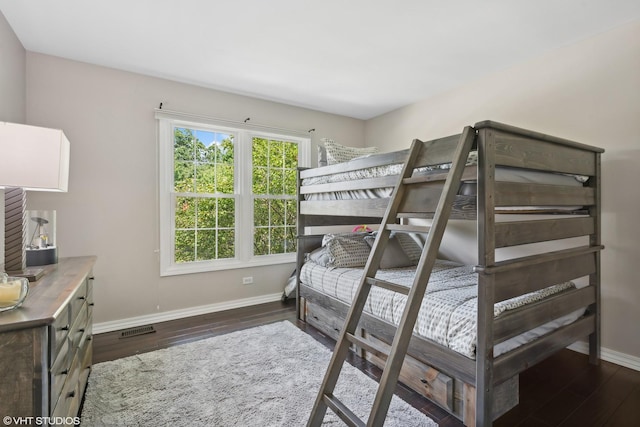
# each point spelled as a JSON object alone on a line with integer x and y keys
{"x": 208, "y": 266}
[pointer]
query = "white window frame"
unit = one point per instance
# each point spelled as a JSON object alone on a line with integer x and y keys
{"x": 243, "y": 135}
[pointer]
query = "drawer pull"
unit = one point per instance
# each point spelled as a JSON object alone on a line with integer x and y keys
{"x": 82, "y": 298}
{"x": 71, "y": 394}
{"x": 91, "y": 304}
{"x": 65, "y": 327}
{"x": 64, "y": 372}
{"x": 92, "y": 278}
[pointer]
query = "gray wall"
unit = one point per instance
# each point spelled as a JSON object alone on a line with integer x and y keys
{"x": 589, "y": 92}
{"x": 12, "y": 92}
{"x": 12, "y": 75}
{"x": 111, "y": 207}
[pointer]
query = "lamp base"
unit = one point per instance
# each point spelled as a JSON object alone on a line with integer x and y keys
{"x": 31, "y": 274}
{"x": 44, "y": 256}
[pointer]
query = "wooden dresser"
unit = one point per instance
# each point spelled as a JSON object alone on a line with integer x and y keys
{"x": 46, "y": 344}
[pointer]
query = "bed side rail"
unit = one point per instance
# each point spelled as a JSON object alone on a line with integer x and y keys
{"x": 382, "y": 159}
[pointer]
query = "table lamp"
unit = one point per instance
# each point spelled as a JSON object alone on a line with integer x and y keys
{"x": 33, "y": 159}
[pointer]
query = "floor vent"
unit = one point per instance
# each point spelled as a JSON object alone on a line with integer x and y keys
{"x": 140, "y": 330}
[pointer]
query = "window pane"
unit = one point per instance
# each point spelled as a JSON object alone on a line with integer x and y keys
{"x": 260, "y": 180}
{"x": 183, "y": 145}
{"x": 276, "y": 181}
{"x": 185, "y": 242}
{"x": 290, "y": 182}
{"x": 290, "y": 155}
{"x": 261, "y": 212}
{"x": 226, "y": 213}
{"x": 224, "y": 179}
{"x": 291, "y": 239}
{"x": 185, "y": 212}
{"x": 225, "y": 149}
{"x": 183, "y": 177}
{"x": 277, "y": 212}
{"x": 226, "y": 244}
{"x": 261, "y": 241}
{"x": 276, "y": 154}
{"x": 260, "y": 151}
{"x": 206, "y": 245}
{"x": 291, "y": 207}
{"x": 206, "y": 178}
{"x": 206, "y": 213}
{"x": 277, "y": 240}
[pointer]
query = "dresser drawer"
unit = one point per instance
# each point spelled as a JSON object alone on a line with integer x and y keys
{"x": 60, "y": 370}
{"x": 78, "y": 300}
{"x": 79, "y": 328}
{"x": 69, "y": 391}
{"x": 58, "y": 332}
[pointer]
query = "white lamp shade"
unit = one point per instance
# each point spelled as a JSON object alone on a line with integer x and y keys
{"x": 33, "y": 158}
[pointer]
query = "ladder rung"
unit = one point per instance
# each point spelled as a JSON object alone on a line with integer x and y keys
{"x": 406, "y": 228}
{"x": 342, "y": 411}
{"x": 371, "y": 346}
{"x": 424, "y": 178}
{"x": 388, "y": 285}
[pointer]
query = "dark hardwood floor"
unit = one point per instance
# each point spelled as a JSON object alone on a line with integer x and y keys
{"x": 564, "y": 390}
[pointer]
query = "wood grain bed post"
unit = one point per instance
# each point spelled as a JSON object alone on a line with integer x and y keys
{"x": 594, "y": 279}
{"x": 299, "y": 251}
{"x": 486, "y": 282}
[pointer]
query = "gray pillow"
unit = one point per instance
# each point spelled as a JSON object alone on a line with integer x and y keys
{"x": 322, "y": 156}
{"x": 394, "y": 255}
{"x": 338, "y": 153}
{"x": 346, "y": 250}
{"x": 319, "y": 256}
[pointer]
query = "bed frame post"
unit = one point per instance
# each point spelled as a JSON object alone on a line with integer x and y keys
{"x": 486, "y": 282}
{"x": 300, "y": 222}
{"x": 594, "y": 279}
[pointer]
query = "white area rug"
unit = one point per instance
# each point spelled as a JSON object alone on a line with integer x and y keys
{"x": 260, "y": 377}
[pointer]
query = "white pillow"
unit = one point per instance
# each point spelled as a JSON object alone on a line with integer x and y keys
{"x": 338, "y": 153}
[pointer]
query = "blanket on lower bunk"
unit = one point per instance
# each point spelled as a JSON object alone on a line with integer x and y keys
{"x": 448, "y": 312}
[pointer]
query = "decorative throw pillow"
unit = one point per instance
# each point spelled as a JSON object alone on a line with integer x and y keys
{"x": 319, "y": 256}
{"x": 393, "y": 256}
{"x": 338, "y": 153}
{"x": 346, "y": 250}
{"x": 322, "y": 156}
{"x": 410, "y": 247}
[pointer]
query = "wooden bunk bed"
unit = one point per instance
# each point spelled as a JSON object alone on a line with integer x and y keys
{"x": 477, "y": 388}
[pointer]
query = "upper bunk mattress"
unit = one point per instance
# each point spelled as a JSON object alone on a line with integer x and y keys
{"x": 505, "y": 174}
{"x": 448, "y": 311}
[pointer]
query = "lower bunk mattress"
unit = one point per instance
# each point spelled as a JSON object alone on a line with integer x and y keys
{"x": 448, "y": 313}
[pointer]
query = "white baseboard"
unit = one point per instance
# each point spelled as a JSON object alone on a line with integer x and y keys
{"x": 132, "y": 322}
{"x": 622, "y": 359}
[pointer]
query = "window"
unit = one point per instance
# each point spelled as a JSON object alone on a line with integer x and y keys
{"x": 228, "y": 195}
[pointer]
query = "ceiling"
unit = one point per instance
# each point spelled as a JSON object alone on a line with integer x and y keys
{"x": 357, "y": 58}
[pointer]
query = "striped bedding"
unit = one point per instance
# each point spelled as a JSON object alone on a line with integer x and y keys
{"x": 448, "y": 312}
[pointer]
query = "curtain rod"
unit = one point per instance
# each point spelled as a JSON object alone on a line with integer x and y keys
{"x": 244, "y": 123}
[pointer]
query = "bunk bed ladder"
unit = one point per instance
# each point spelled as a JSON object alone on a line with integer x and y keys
{"x": 395, "y": 354}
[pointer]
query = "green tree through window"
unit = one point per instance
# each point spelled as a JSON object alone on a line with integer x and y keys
{"x": 206, "y": 195}
{"x": 274, "y": 191}
{"x": 205, "y": 200}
